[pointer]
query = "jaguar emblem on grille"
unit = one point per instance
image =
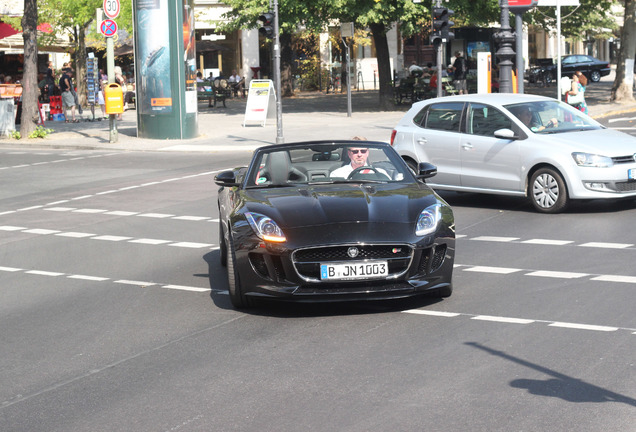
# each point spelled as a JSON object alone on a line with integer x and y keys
{"x": 353, "y": 252}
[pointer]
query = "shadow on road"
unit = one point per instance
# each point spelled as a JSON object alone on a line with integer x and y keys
{"x": 561, "y": 386}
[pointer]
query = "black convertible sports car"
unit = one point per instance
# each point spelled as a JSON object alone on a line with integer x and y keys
{"x": 325, "y": 221}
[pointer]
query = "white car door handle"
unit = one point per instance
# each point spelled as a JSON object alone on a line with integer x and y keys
{"x": 467, "y": 146}
{"x": 422, "y": 141}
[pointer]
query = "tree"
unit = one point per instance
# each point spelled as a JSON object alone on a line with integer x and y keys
{"x": 30, "y": 110}
{"x": 72, "y": 17}
{"x": 623, "y": 90}
{"x": 377, "y": 15}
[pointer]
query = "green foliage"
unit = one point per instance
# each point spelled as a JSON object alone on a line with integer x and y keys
{"x": 40, "y": 132}
{"x": 591, "y": 19}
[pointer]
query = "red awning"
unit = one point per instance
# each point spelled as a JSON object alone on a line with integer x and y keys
{"x": 7, "y": 30}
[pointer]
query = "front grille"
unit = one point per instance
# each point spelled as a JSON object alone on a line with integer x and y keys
{"x": 339, "y": 253}
{"x": 307, "y": 261}
{"x": 629, "y": 186}
{"x": 623, "y": 159}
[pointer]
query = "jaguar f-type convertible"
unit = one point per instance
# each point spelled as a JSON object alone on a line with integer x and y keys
{"x": 330, "y": 221}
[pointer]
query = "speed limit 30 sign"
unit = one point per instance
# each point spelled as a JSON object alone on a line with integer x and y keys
{"x": 111, "y": 8}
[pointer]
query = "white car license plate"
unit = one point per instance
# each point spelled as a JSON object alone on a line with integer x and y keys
{"x": 631, "y": 174}
{"x": 354, "y": 270}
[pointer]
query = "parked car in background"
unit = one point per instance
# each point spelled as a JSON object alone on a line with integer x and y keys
{"x": 328, "y": 221}
{"x": 518, "y": 145}
{"x": 591, "y": 67}
{"x": 544, "y": 70}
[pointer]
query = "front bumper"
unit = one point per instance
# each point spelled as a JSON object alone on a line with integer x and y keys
{"x": 276, "y": 271}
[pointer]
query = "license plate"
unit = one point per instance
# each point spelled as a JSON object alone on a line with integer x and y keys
{"x": 631, "y": 173}
{"x": 354, "y": 270}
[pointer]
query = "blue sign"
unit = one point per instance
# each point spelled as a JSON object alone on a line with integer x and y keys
{"x": 108, "y": 28}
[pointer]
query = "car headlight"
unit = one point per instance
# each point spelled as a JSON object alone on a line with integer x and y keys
{"x": 428, "y": 220}
{"x": 265, "y": 228}
{"x": 592, "y": 160}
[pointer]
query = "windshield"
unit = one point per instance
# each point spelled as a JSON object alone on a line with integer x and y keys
{"x": 362, "y": 162}
{"x": 544, "y": 117}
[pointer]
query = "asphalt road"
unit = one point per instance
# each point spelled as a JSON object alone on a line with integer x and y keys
{"x": 115, "y": 316}
{"x": 623, "y": 122}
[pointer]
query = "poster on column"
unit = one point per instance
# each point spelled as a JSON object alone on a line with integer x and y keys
{"x": 153, "y": 55}
{"x": 189, "y": 57}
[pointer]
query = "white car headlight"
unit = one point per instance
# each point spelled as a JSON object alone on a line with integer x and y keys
{"x": 428, "y": 220}
{"x": 265, "y": 228}
{"x": 592, "y": 160}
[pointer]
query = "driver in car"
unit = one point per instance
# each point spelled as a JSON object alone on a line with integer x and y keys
{"x": 358, "y": 157}
{"x": 525, "y": 115}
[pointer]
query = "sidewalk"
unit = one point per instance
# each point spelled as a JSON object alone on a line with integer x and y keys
{"x": 306, "y": 116}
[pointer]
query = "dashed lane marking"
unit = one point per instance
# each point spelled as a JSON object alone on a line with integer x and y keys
{"x": 431, "y": 313}
{"x": 547, "y": 273}
{"x": 607, "y": 245}
{"x": 557, "y": 274}
{"x": 106, "y": 237}
{"x": 130, "y": 213}
{"x": 88, "y": 278}
{"x": 126, "y": 188}
{"x": 54, "y": 161}
{"x": 497, "y": 270}
{"x": 549, "y": 242}
{"x": 521, "y": 321}
{"x": 495, "y": 239}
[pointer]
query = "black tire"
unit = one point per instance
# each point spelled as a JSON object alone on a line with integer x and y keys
{"x": 595, "y": 76}
{"x": 222, "y": 246}
{"x": 237, "y": 297}
{"x": 412, "y": 164}
{"x": 547, "y": 191}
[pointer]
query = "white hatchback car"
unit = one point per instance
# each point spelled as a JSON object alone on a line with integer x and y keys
{"x": 523, "y": 145}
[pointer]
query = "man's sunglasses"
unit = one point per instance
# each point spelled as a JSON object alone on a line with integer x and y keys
{"x": 359, "y": 151}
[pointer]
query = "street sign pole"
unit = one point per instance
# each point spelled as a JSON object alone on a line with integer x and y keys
{"x": 110, "y": 67}
{"x": 109, "y": 29}
{"x": 279, "y": 97}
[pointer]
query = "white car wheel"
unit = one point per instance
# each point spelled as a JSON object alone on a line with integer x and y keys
{"x": 548, "y": 191}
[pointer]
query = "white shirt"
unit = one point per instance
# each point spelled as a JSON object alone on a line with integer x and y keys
{"x": 345, "y": 170}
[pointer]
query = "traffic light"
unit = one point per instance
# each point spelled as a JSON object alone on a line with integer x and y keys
{"x": 442, "y": 24}
{"x": 267, "y": 24}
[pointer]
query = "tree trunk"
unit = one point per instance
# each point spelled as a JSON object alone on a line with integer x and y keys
{"x": 378, "y": 31}
{"x": 286, "y": 60}
{"x": 80, "y": 66}
{"x": 30, "y": 90}
{"x": 623, "y": 90}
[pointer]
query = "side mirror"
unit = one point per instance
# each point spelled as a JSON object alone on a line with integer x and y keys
{"x": 226, "y": 178}
{"x": 506, "y": 134}
{"x": 426, "y": 170}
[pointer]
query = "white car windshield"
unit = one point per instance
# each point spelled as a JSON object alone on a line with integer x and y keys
{"x": 545, "y": 117}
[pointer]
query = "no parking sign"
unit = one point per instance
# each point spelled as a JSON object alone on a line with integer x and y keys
{"x": 108, "y": 28}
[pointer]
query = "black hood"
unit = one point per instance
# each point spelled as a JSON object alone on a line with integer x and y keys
{"x": 316, "y": 205}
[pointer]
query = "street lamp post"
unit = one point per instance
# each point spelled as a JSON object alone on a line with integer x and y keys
{"x": 505, "y": 38}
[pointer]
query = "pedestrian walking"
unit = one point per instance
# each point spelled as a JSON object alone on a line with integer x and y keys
{"x": 460, "y": 70}
{"x": 68, "y": 101}
{"x": 576, "y": 95}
